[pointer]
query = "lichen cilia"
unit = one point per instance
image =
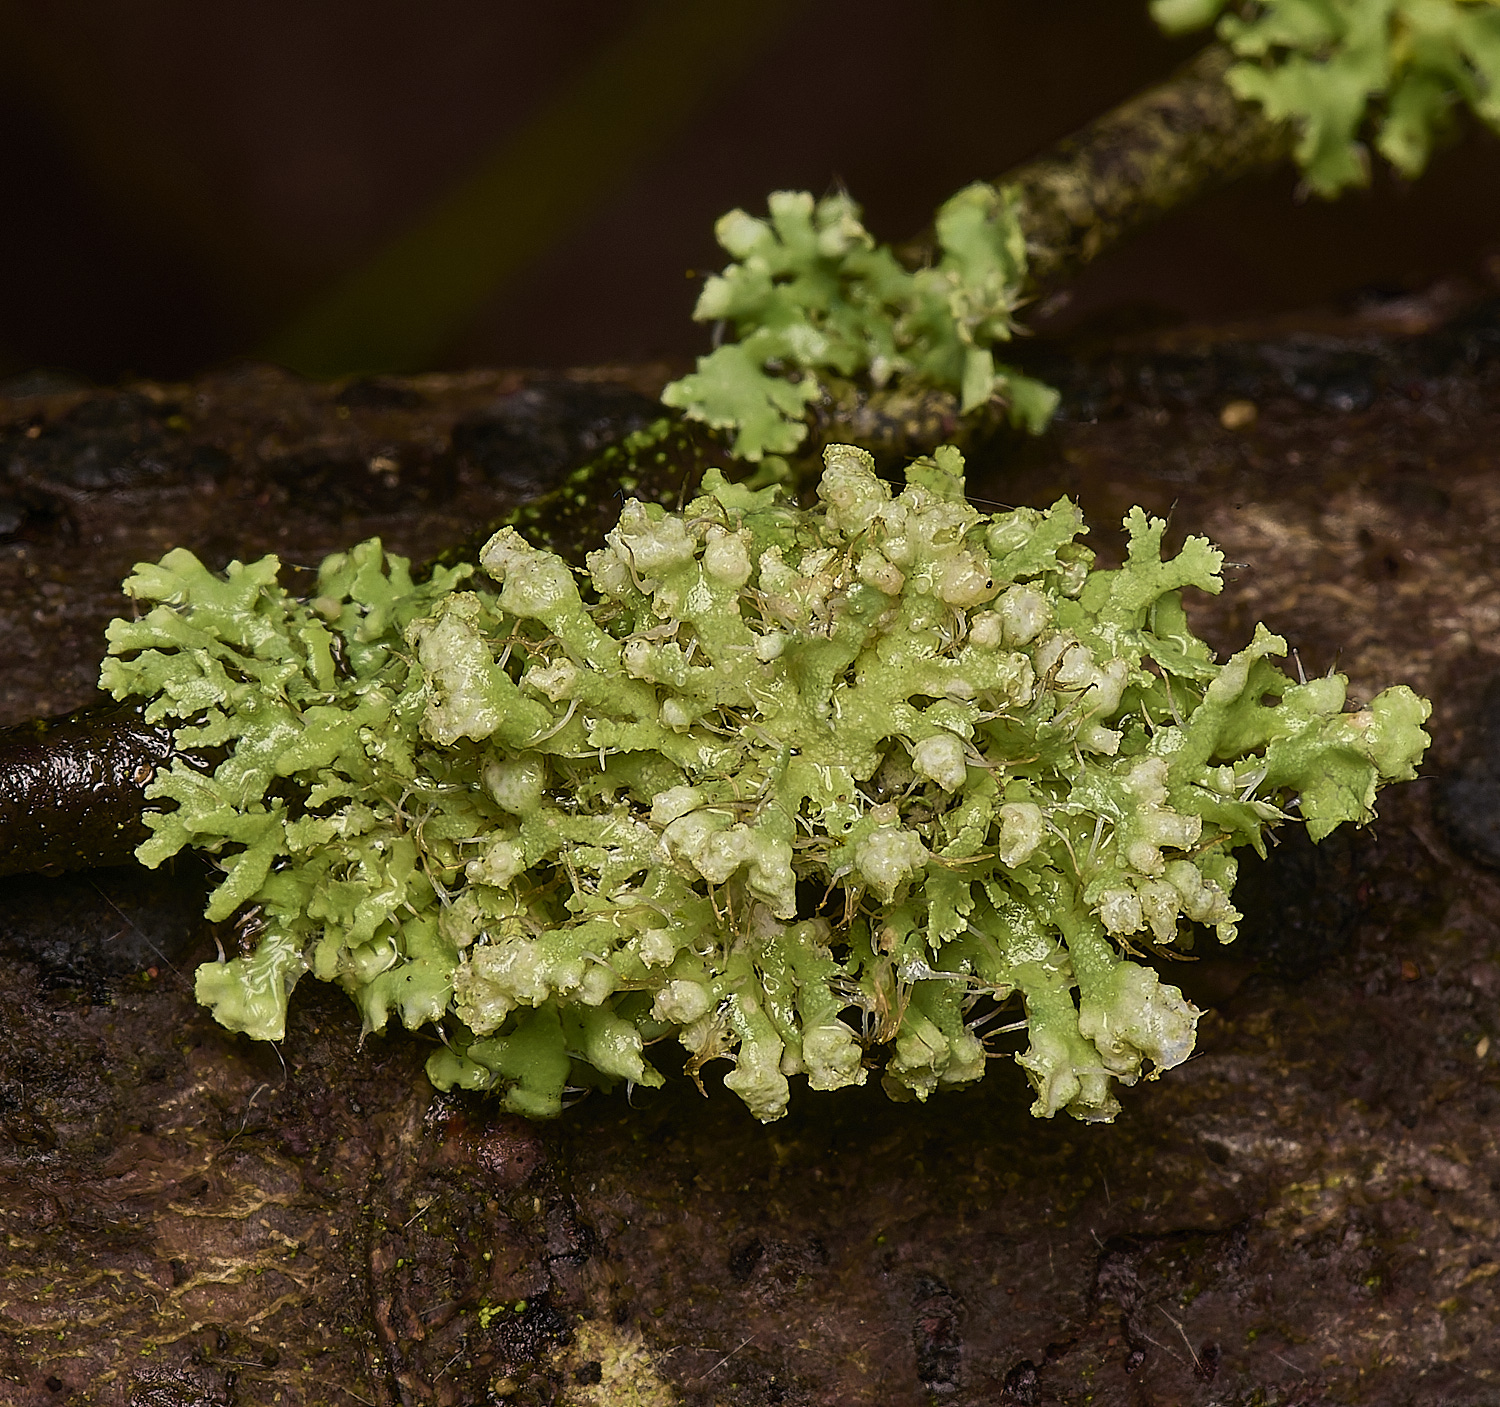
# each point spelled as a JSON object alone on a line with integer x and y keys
{"x": 815, "y": 791}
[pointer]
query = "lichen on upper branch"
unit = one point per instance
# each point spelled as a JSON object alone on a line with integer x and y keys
{"x": 1339, "y": 68}
{"x": 815, "y": 792}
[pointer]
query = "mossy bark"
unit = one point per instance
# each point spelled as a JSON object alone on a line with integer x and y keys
{"x": 1150, "y": 156}
{"x": 1153, "y": 154}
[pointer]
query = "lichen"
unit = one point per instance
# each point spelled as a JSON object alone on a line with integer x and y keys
{"x": 1340, "y": 67}
{"x": 811, "y": 291}
{"x": 819, "y": 792}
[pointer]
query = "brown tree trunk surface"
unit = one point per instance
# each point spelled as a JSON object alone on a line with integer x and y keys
{"x": 1307, "y": 1212}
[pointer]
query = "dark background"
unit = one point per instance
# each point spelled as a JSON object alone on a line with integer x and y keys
{"x": 193, "y": 182}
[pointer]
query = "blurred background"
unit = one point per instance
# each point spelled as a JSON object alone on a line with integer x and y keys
{"x": 380, "y": 186}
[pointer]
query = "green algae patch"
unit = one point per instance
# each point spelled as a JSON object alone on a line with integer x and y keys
{"x": 605, "y": 1366}
{"x": 816, "y": 792}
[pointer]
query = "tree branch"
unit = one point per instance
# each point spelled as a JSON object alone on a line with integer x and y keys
{"x": 1155, "y": 153}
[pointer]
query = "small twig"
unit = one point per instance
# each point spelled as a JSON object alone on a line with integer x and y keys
{"x": 420, "y": 1211}
{"x": 703, "y": 1377}
{"x": 1171, "y": 1353}
{"x": 1196, "y": 1364}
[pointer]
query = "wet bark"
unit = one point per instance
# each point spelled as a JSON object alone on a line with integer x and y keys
{"x": 72, "y": 789}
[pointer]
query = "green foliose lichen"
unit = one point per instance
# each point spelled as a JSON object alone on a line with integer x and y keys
{"x": 811, "y": 291}
{"x": 815, "y": 792}
{"x": 1398, "y": 68}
